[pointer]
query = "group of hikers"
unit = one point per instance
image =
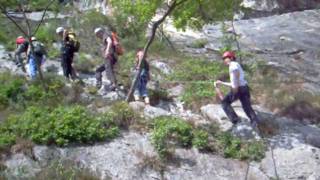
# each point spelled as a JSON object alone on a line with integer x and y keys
{"x": 110, "y": 51}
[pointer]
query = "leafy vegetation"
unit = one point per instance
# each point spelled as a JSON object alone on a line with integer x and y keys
{"x": 17, "y": 93}
{"x": 198, "y": 76}
{"x": 199, "y": 43}
{"x": 66, "y": 170}
{"x": 122, "y": 114}
{"x": 201, "y": 139}
{"x": 169, "y": 130}
{"x": 234, "y": 147}
{"x": 61, "y": 126}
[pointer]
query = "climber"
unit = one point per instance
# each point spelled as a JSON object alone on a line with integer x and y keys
{"x": 239, "y": 90}
{"x": 143, "y": 78}
{"x": 21, "y": 47}
{"x": 37, "y": 58}
{"x": 69, "y": 46}
{"x": 110, "y": 58}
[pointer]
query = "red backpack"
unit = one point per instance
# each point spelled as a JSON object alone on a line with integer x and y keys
{"x": 116, "y": 43}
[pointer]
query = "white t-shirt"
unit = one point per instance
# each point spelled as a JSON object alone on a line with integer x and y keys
{"x": 233, "y": 66}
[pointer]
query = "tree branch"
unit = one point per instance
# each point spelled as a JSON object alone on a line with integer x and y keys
{"x": 3, "y": 11}
{"x": 26, "y": 20}
{"x": 151, "y": 38}
{"x": 42, "y": 18}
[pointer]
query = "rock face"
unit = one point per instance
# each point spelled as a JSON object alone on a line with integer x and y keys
{"x": 288, "y": 43}
{"x": 301, "y": 162}
{"x": 260, "y": 8}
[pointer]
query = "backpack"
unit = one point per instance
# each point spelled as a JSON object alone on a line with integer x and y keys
{"x": 38, "y": 48}
{"x": 116, "y": 44}
{"x": 74, "y": 42}
{"x": 21, "y": 41}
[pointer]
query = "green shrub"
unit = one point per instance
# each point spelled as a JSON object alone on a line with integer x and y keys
{"x": 61, "y": 126}
{"x": 17, "y": 93}
{"x": 234, "y": 147}
{"x": 199, "y": 76}
{"x": 66, "y": 170}
{"x": 157, "y": 95}
{"x": 200, "y": 139}
{"x": 85, "y": 64}
{"x": 122, "y": 114}
{"x": 47, "y": 34}
{"x": 125, "y": 64}
{"x": 11, "y": 89}
{"x": 199, "y": 43}
{"x": 170, "y": 130}
{"x": 6, "y": 139}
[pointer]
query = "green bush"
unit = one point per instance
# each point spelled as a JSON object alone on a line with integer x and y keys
{"x": 61, "y": 126}
{"x": 47, "y": 34}
{"x": 17, "y": 93}
{"x": 85, "y": 64}
{"x": 66, "y": 170}
{"x": 234, "y": 147}
{"x": 170, "y": 130}
{"x": 199, "y": 76}
{"x": 122, "y": 114}
{"x": 199, "y": 43}
{"x": 6, "y": 139}
{"x": 11, "y": 89}
{"x": 200, "y": 139}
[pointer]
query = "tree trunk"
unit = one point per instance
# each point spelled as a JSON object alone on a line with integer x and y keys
{"x": 155, "y": 26}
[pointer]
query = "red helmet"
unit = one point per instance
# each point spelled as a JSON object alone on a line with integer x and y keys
{"x": 20, "y": 40}
{"x": 229, "y": 54}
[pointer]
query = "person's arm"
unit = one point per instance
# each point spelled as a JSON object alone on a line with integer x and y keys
{"x": 236, "y": 74}
{"x": 109, "y": 44}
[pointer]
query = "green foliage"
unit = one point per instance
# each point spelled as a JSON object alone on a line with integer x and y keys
{"x": 122, "y": 114}
{"x": 7, "y": 34}
{"x": 234, "y": 147}
{"x": 65, "y": 170}
{"x": 85, "y": 63}
{"x": 61, "y": 126}
{"x": 200, "y": 139}
{"x": 199, "y": 43}
{"x": 17, "y": 93}
{"x": 136, "y": 15}
{"x": 11, "y": 90}
{"x": 199, "y": 76}
{"x": 189, "y": 13}
{"x": 126, "y": 63}
{"x": 47, "y": 33}
{"x": 168, "y": 130}
{"x": 6, "y": 139}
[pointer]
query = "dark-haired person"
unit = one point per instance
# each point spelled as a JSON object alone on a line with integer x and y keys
{"x": 239, "y": 90}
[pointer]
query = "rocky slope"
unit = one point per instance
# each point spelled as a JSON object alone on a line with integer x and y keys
{"x": 287, "y": 42}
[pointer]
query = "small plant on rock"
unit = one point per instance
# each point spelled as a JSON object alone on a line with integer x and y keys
{"x": 170, "y": 131}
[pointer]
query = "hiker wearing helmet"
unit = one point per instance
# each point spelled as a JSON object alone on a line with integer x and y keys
{"x": 109, "y": 56}
{"x": 21, "y": 47}
{"x": 36, "y": 58}
{"x": 68, "y": 48}
{"x": 239, "y": 90}
{"x": 143, "y": 78}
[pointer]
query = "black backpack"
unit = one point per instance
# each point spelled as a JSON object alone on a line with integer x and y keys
{"x": 38, "y": 49}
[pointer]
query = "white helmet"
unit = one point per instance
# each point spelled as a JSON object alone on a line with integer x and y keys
{"x": 33, "y": 38}
{"x": 59, "y": 30}
{"x": 98, "y": 30}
